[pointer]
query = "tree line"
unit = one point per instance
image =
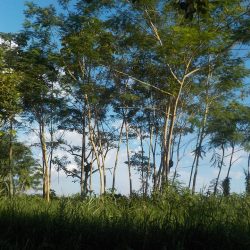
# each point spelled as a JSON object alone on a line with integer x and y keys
{"x": 159, "y": 70}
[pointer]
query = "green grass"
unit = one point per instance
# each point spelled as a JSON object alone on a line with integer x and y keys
{"x": 171, "y": 221}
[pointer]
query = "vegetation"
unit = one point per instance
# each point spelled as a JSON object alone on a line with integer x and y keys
{"x": 173, "y": 220}
{"x": 148, "y": 79}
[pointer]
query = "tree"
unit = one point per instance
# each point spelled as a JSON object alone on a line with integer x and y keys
{"x": 179, "y": 50}
{"x": 10, "y": 104}
{"x": 26, "y": 171}
{"x": 86, "y": 47}
{"x": 227, "y": 130}
{"x": 146, "y": 64}
{"x": 40, "y": 75}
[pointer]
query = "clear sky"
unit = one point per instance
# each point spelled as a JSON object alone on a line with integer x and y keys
{"x": 11, "y": 13}
{"x": 11, "y": 19}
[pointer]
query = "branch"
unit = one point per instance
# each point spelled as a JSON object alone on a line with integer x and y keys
{"x": 154, "y": 29}
{"x": 145, "y": 83}
{"x": 240, "y": 149}
{"x": 190, "y": 73}
{"x": 174, "y": 75}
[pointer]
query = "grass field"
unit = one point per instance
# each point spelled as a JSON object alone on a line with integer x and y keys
{"x": 170, "y": 221}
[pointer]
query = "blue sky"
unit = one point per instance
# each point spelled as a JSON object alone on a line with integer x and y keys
{"x": 11, "y": 13}
{"x": 11, "y": 19}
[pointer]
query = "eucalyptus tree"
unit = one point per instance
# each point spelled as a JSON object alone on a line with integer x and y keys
{"x": 180, "y": 48}
{"x": 86, "y": 45}
{"x": 40, "y": 95}
{"x": 125, "y": 107}
{"x": 149, "y": 59}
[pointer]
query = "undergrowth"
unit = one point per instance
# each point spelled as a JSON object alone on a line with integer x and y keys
{"x": 173, "y": 220}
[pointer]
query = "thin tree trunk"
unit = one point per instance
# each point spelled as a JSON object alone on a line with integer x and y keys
{"x": 154, "y": 162}
{"x": 51, "y": 137}
{"x": 44, "y": 187}
{"x": 46, "y": 178}
{"x": 83, "y": 155}
{"x": 142, "y": 162}
{"x": 202, "y": 131}
{"x": 90, "y": 174}
{"x": 11, "y": 181}
{"x": 51, "y": 151}
{"x": 91, "y": 137}
{"x": 194, "y": 161}
{"x": 231, "y": 160}
{"x": 202, "y": 136}
{"x": 116, "y": 157}
{"x": 170, "y": 134}
{"x": 164, "y": 147}
{"x": 248, "y": 165}
{"x": 177, "y": 157}
{"x": 149, "y": 158}
{"x": 220, "y": 167}
{"x": 192, "y": 169}
{"x": 128, "y": 155}
{"x": 101, "y": 152}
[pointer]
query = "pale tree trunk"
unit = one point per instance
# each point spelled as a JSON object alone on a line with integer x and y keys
{"x": 177, "y": 157}
{"x": 154, "y": 162}
{"x": 170, "y": 133}
{"x": 248, "y": 165}
{"x": 164, "y": 147}
{"x": 11, "y": 181}
{"x": 220, "y": 167}
{"x": 50, "y": 158}
{"x": 51, "y": 154}
{"x": 83, "y": 156}
{"x": 116, "y": 157}
{"x": 142, "y": 162}
{"x": 128, "y": 155}
{"x": 46, "y": 177}
{"x": 149, "y": 157}
{"x": 92, "y": 141}
{"x": 90, "y": 173}
{"x": 101, "y": 153}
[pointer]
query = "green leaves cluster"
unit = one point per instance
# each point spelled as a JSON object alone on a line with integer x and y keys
{"x": 164, "y": 66}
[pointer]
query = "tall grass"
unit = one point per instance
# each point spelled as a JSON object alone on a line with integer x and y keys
{"x": 173, "y": 220}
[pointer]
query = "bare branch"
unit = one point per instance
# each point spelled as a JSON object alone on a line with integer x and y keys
{"x": 145, "y": 83}
{"x": 190, "y": 73}
{"x": 174, "y": 75}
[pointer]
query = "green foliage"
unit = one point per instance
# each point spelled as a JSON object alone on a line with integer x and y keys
{"x": 10, "y": 78}
{"x": 176, "y": 220}
{"x": 166, "y": 67}
{"x": 26, "y": 171}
